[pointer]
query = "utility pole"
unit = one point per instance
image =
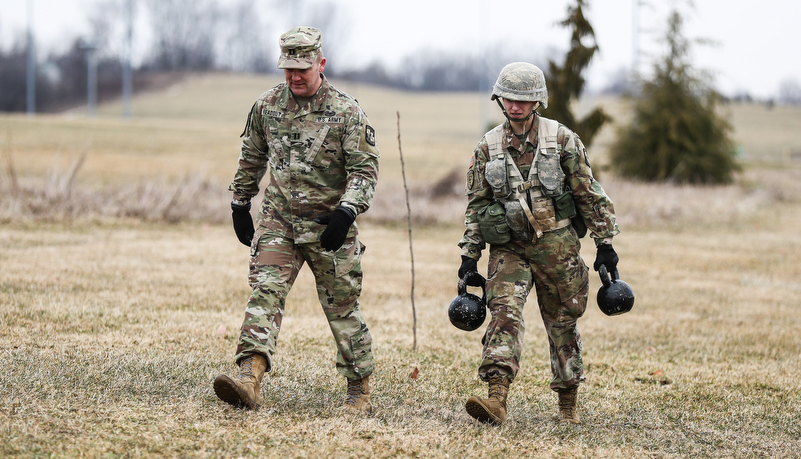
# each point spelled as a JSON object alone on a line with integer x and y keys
{"x": 127, "y": 76}
{"x": 483, "y": 81}
{"x": 635, "y": 37}
{"x": 31, "y": 69}
{"x": 635, "y": 44}
{"x": 91, "y": 77}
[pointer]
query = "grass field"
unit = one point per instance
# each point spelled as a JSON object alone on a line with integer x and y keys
{"x": 122, "y": 288}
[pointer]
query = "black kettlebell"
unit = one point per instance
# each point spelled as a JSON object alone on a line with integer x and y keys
{"x": 467, "y": 311}
{"x": 615, "y": 296}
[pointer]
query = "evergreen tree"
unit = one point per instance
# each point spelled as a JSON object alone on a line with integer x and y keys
{"x": 565, "y": 82}
{"x": 676, "y": 134}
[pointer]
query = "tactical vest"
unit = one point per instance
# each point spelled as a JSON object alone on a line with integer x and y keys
{"x": 528, "y": 201}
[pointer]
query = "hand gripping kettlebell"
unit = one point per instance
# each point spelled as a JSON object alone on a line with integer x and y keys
{"x": 467, "y": 311}
{"x": 615, "y": 296}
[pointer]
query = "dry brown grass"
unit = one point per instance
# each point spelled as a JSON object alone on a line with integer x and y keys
{"x": 111, "y": 336}
{"x": 112, "y": 327}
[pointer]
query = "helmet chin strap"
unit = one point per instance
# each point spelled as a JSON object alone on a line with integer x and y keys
{"x": 516, "y": 120}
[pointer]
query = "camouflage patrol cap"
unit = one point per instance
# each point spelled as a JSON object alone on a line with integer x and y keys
{"x": 523, "y": 82}
{"x": 300, "y": 47}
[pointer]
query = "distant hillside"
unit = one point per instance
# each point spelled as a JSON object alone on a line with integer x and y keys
{"x": 180, "y": 148}
{"x": 450, "y": 121}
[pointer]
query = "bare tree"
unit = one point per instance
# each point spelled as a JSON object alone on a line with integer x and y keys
{"x": 244, "y": 46}
{"x": 326, "y": 16}
{"x": 184, "y": 32}
{"x": 790, "y": 91}
{"x": 13, "y": 77}
{"x": 107, "y": 23}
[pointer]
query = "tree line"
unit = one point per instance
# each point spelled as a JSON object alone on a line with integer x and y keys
{"x": 676, "y": 134}
{"x": 202, "y": 36}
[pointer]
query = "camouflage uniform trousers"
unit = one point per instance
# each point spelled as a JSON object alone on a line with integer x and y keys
{"x": 553, "y": 265}
{"x": 274, "y": 266}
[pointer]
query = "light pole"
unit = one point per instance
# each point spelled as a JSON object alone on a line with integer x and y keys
{"x": 31, "y": 70}
{"x": 635, "y": 39}
{"x": 91, "y": 77}
{"x": 483, "y": 78}
{"x": 127, "y": 74}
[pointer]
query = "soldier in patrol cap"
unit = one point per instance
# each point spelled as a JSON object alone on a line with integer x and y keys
{"x": 319, "y": 152}
{"x": 531, "y": 196}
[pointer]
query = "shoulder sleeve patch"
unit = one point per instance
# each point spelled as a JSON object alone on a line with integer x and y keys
{"x": 471, "y": 180}
{"x": 369, "y": 135}
{"x": 249, "y": 121}
{"x": 473, "y": 177}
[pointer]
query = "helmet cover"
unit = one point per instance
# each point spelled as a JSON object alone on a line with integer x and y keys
{"x": 521, "y": 81}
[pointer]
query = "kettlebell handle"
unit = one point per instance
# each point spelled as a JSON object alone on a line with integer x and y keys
{"x": 605, "y": 276}
{"x": 462, "y": 286}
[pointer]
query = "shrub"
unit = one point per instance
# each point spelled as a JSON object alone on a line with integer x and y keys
{"x": 676, "y": 134}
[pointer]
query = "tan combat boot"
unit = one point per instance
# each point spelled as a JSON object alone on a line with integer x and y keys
{"x": 567, "y": 406}
{"x": 243, "y": 390}
{"x": 358, "y": 398}
{"x": 490, "y": 410}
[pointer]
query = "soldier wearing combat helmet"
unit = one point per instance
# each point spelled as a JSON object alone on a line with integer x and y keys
{"x": 532, "y": 196}
{"x": 318, "y": 150}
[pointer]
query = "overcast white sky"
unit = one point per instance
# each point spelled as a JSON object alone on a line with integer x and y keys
{"x": 758, "y": 44}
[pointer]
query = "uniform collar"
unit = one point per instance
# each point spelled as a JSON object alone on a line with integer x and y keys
{"x": 511, "y": 140}
{"x": 317, "y": 102}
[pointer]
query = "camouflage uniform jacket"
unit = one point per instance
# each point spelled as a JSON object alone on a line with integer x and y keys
{"x": 318, "y": 156}
{"x": 591, "y": 201}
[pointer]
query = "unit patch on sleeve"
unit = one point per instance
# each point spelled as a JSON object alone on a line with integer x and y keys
{"x": 369, "y": 135}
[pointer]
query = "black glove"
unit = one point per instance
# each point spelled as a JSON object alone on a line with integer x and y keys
{"x": 606, "y": 256}
{"x": 243, "y": 223}
{"x": 469, "y": 268}
{"x": 336, "y": 231}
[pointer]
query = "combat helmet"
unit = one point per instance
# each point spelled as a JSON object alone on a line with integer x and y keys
{"x": 468, "y": 311}
{"x": 521, "y": 81}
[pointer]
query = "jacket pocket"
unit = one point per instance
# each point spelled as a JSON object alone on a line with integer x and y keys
{"x": 549, "y": 171}
{"x": 492, "y": 223}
